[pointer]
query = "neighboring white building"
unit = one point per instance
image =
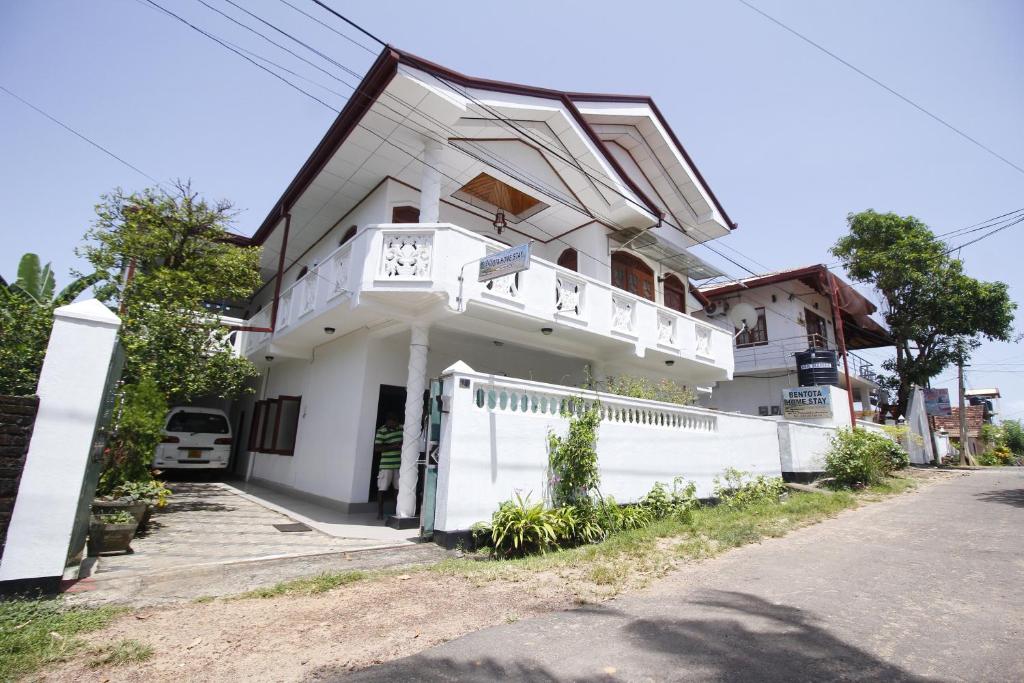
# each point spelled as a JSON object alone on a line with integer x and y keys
{"x": 370, "y": 262}
{"x": 796, "y": 311}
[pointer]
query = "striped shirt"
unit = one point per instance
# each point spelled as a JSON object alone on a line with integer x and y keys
{"x": 391, "y": 440}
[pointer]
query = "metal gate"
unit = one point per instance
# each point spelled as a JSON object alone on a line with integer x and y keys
{"x": 430, "y": 471}
{"x": 93, "y": 466}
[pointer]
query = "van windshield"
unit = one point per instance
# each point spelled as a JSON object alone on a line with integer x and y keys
{"x": 199, "y": 423}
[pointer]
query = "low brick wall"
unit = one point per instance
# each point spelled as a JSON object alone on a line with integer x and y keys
{"x": 17, "y": 415}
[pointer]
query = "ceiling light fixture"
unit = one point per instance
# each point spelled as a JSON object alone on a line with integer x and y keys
{"x": 499, "y": 221}
{"x": 329, "y": 330}
{"x": 546, "y": 331}
{"x": 670, "y": 363}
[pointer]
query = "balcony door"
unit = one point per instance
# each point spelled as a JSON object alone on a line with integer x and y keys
{"x": 817, "y": 335}
{"x": 675, "y": 294}
{"x": 633, "y": 275}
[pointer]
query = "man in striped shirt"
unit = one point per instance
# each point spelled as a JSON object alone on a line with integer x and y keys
{"x": 388, "y": 443}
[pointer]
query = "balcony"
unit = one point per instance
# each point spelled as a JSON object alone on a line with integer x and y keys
{"x": 430, "y": 271}
{"x": 777, "y": 354}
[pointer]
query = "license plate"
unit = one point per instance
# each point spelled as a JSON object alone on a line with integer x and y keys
{"x": 195, "y": 454}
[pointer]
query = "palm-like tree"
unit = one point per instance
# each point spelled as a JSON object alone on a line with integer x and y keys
{"x": 36, "y": 282}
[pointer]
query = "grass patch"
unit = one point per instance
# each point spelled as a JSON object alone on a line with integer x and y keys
{"x": 312, "y": 585}
{"x": 121, "y": 653}
{"x": 893, "y": 485}
{"x": 639, "y": 554}
{"x": 37, "y": 632}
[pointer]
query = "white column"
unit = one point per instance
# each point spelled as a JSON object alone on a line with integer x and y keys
{"x": 415, "y": 383}
{"x": 70, "y": 393}
{"x": 430, "y": 183}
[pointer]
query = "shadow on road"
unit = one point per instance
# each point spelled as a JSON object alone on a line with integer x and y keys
{"x": 756, "y": 640}
{"x": 1014, "y": 497}
{"x": 447, "y": 669}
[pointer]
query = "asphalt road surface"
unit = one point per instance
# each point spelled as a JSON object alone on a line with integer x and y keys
{"x": 924, "y": 586}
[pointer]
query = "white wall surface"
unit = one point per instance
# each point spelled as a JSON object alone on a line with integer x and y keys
{"x": 70, "y": 393}
{"x": 802, "y": 447}
{"x": 490, "y": 453}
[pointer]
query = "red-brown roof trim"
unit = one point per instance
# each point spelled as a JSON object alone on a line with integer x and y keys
{"x": 385, "y": 68}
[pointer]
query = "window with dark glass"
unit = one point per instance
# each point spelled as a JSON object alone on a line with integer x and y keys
{"x": 197, "y": 423}
{"x": 405, "y": 214}
{"x": 569, "y": 259}
{"x": 675, "y": 294}
{"x": 632, "y": 274}
{"x": 756, "y": 335}
{"x": 275, "y": 424}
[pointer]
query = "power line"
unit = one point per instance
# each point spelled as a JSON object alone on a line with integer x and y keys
{"x": 80, "y": 135}
{"x": 882, "y": 85}
{"x": 352, "y": 24}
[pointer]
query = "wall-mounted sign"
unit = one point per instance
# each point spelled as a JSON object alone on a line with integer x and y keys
{"x": 936, "y": 402}
{"x": 805, "y": 402}
{"x": 505, "y": 262}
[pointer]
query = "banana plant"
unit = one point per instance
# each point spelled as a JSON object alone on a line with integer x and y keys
{"x": 37, "y": 282}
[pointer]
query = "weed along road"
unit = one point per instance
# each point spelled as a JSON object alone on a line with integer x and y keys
{"x": 923, "y": 586}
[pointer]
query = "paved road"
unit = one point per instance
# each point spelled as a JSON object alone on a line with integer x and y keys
{"x": 925, "y": 586}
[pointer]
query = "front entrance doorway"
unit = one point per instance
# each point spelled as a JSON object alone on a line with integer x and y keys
{"x": 391, "y": 399}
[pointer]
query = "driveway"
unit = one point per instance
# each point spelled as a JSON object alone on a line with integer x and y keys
{"x": 925, "y": 586}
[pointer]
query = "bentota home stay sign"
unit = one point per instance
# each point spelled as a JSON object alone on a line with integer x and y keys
{"x": 804, "y": 402}
{"x": 505, "y": 262}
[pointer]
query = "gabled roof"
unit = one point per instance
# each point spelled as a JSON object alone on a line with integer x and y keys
{"x": 384, "y": 70}
{"x": 864, "y": 332}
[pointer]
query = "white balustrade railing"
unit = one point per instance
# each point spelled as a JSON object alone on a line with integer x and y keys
{"x": 548, "y": 400}
{"x": 442, "y": 259}
{"x": 254, "y": 340}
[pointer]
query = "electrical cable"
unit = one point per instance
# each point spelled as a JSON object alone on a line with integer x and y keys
{"x": 882, "y": 85}
{"x": 81, "y": 135}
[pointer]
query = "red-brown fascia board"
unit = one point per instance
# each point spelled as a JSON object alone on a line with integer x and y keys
{"x": 377, "y": 79}
{"x": 774, "y": 278}
{"x": 699, "y": 296}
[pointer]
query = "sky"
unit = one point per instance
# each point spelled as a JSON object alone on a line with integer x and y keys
{"x": 789, "y": 139}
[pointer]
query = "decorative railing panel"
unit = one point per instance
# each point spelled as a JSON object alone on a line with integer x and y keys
{"x": 703, "y": 335}
{"x": 623, "y": 314}
{"x": 406, "y": 255}
{"x": 613, "y": 409}
{"x": 569, "y": 292}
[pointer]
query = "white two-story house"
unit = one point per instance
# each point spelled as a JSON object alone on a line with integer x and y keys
{"x": 371, "y": 257}
{"x": 797, "y": 310}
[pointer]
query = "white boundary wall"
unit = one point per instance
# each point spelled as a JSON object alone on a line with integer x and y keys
{"x": 491, "y": 451}
{"x": 802, "y": 446}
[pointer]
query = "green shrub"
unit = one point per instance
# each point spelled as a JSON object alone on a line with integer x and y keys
{"x": 522, "y": 528}
{"x": 572, "y": 460}
{"x": 138, "y": 428}
{"x": 996, "y": 457}
{"x": 738, "y": 489}
{"x": 1013, "y": 433}
{"x": 153, "y": 492}
{"x": 664, "y": 390}
{"x": 119, "y": 517}
{"x": 859, "y": 458}
{"x": 676, "y": 502}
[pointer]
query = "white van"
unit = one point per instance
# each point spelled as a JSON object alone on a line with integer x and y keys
{"x": 194, "y": 438}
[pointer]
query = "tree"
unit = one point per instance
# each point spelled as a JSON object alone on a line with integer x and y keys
{"x": 936, "y": 313}
{"x": 26, "y": 317}
{"x": 164, "y": 259}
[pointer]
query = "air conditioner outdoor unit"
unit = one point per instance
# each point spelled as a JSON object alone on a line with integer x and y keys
{"x": 717, "y": 309}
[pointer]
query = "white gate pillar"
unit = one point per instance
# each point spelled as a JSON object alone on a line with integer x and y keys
{"x": 430, "y": 183}
{"x": 415, "y": 384}
{"x": 70, "y": 395}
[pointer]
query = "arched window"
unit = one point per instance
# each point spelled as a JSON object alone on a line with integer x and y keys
{"x": 632, "y": 274}
{"x": 569, "y": 259}
{"x": 349, "y": 234}
{"x": 675, "y": 294}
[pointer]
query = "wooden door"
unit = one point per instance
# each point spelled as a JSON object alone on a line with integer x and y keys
{"x": 632, "y": 274}
{"x": 675, "y": 294}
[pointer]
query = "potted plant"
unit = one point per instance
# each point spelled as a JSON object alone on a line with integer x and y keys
{"x": 150, "y": 494}
{"x": 113, "y": 504}
{"x": 111, "y": 532}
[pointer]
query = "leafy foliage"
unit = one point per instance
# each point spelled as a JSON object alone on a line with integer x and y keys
{"x": 738, "y": 489}
{"x": 118, "y": 517}
{"x": 178, "y": 248}
{"x": 675, "y": 502}
{"x": 858, "y": 458}
{"x": 154, "y": 492}
{"x": 26, "y": 317}
{"x": 572, "y": 460}
{"x": 665, "y": 390}
{"x": 935, "y": 312}
{"x": 1013, "y": 435}
{"x": 140, "y": 421}
{"x": 995, "y": 457}
{"x": 520, "y": 528}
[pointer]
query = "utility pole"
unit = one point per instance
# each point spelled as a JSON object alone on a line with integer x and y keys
{"x": 965, "y": 449}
